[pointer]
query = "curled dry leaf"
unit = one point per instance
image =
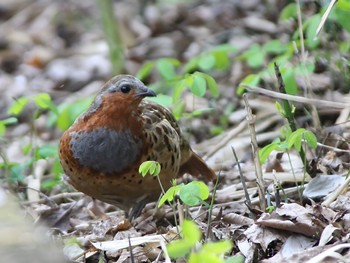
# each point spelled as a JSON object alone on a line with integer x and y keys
{"x": 293, "y": 218}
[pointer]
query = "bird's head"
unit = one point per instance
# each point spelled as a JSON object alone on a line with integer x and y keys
{"x": 120, "y": 93}
{"x": 126, "y": 87}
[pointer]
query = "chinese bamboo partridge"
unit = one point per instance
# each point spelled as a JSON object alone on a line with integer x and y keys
{"x": 102, "y": 151}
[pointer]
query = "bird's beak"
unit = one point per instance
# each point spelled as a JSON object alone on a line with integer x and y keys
{"x": 146, "y": 92}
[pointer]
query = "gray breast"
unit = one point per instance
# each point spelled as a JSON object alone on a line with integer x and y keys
{"x": 105, "y": 150}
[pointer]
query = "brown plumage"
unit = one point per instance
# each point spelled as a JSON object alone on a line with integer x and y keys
{"x": 102, "y": 151}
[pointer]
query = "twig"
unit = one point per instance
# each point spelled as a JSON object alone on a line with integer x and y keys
{"x": 325, "y": 16}
{"x": 336, "y": 193}
{"x": 319, "y": 103}
{"x": 210, "y": 212}
{"x": 233, "y": 133}
{"x": 54, "y": 198}
{"x": 258, "y": 172}
{"x": 333, "y": 148}
{"x": 130, "y": 250}
{"x": 244, "y": 186}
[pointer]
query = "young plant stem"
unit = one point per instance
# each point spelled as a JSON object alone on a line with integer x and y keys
{"x": 258, "y": 171}
{"x": 110, "y": 27}
{"x": 288, "y": 112}
{"x": 171, "y": 205}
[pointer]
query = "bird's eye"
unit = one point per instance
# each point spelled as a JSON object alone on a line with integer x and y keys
{"x": 125, "y": 88}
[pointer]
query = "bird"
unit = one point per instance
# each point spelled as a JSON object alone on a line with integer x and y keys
{"x": 102, "y": 151}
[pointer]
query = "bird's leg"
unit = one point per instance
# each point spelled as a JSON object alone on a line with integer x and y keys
{"x": 137, "y": 209}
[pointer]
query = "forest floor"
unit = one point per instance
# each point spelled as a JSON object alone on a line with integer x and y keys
{"x": 58, "y": 48}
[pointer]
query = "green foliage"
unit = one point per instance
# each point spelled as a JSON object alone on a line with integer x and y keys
{"x": 289, "y": 12}
{"x": 190, "y": 194}
{"x": 6, "y": 122}
{"x": 293, "y": 140}
{"x": 16, "y": 171}
{"x": 250, "y": 80}
{"x": 191, "y": 236}
{"x": 270, "y": 209}
{"x": 149, "y": 167}
{"x": 216, "y": 58}
{"x": 256, "y": 55}
{"x": 68, "y": 112}
{"x": 176, "y": 78}
{"x": 42, "y": 100}
{"x": 340, "y": 14}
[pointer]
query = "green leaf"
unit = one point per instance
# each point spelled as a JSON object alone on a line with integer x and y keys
{"x": 204, "y": 257}
{"x": 254, "y": 56}
{"x": 199, "y": 86}
{"x": 42, "y": 100}
{"x": 274, "y": 47}
{"x": 166, "y": 68}
{"x": 303, "y": 70}
{"x": 69, "y": 112}
{"x": 341, "y": 14}
{"x": 251, "y": 80}
{"x": 5, "y": 122}
{"x": 9, "y": 121}
{"x": 295, "y": 139}
{"x": 311, "y": 26}
{"x": 170, "y": 194}
{"x": 164, "y": 100}
{"x": 206, "y": 62}
{"x": 288, "y": 75}
{"x": 180, "y": 86}
{"x": 18, "y": 106}
{"x": 47, "y": 151}
{"x": 26, "y": 148}
{"x": 280, "y": 109}
{"x": 227, "y": 48}
{"x": 289, "y": 11}
{"x": 151, "y": 167}
{"x": 145, "y": 70}
{"x": 191, "y": 232}
{"x": 190, "y": 194}
{"x": 222, "y": 61}
{"x": 178, "y": 248}
{"x": 191, "y": 65}
{"x": 213, "y": 87}
{"x": 220, "y": 247}
{"x": 285, "y": 131}
{"x": 203, "y": 188}
{"x": 311, "y": 139}
{"x": 2, "y": 128}
{"x": 265, "y": 152}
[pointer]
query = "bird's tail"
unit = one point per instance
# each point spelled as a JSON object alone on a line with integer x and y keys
{"x": 196, "y": 167}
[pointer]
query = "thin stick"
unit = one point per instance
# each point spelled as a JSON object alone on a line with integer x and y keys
{"x": 258, "y": 172}
{"x": 130, "y": 250}
{"x": 244, "y": 185}
{"x": 319, "y": 103}
{"x": 232, "y": 134}
{"x": 210, "y": 212}
{"x": 325, "y": 16}
{"x": 54, "y": 198}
